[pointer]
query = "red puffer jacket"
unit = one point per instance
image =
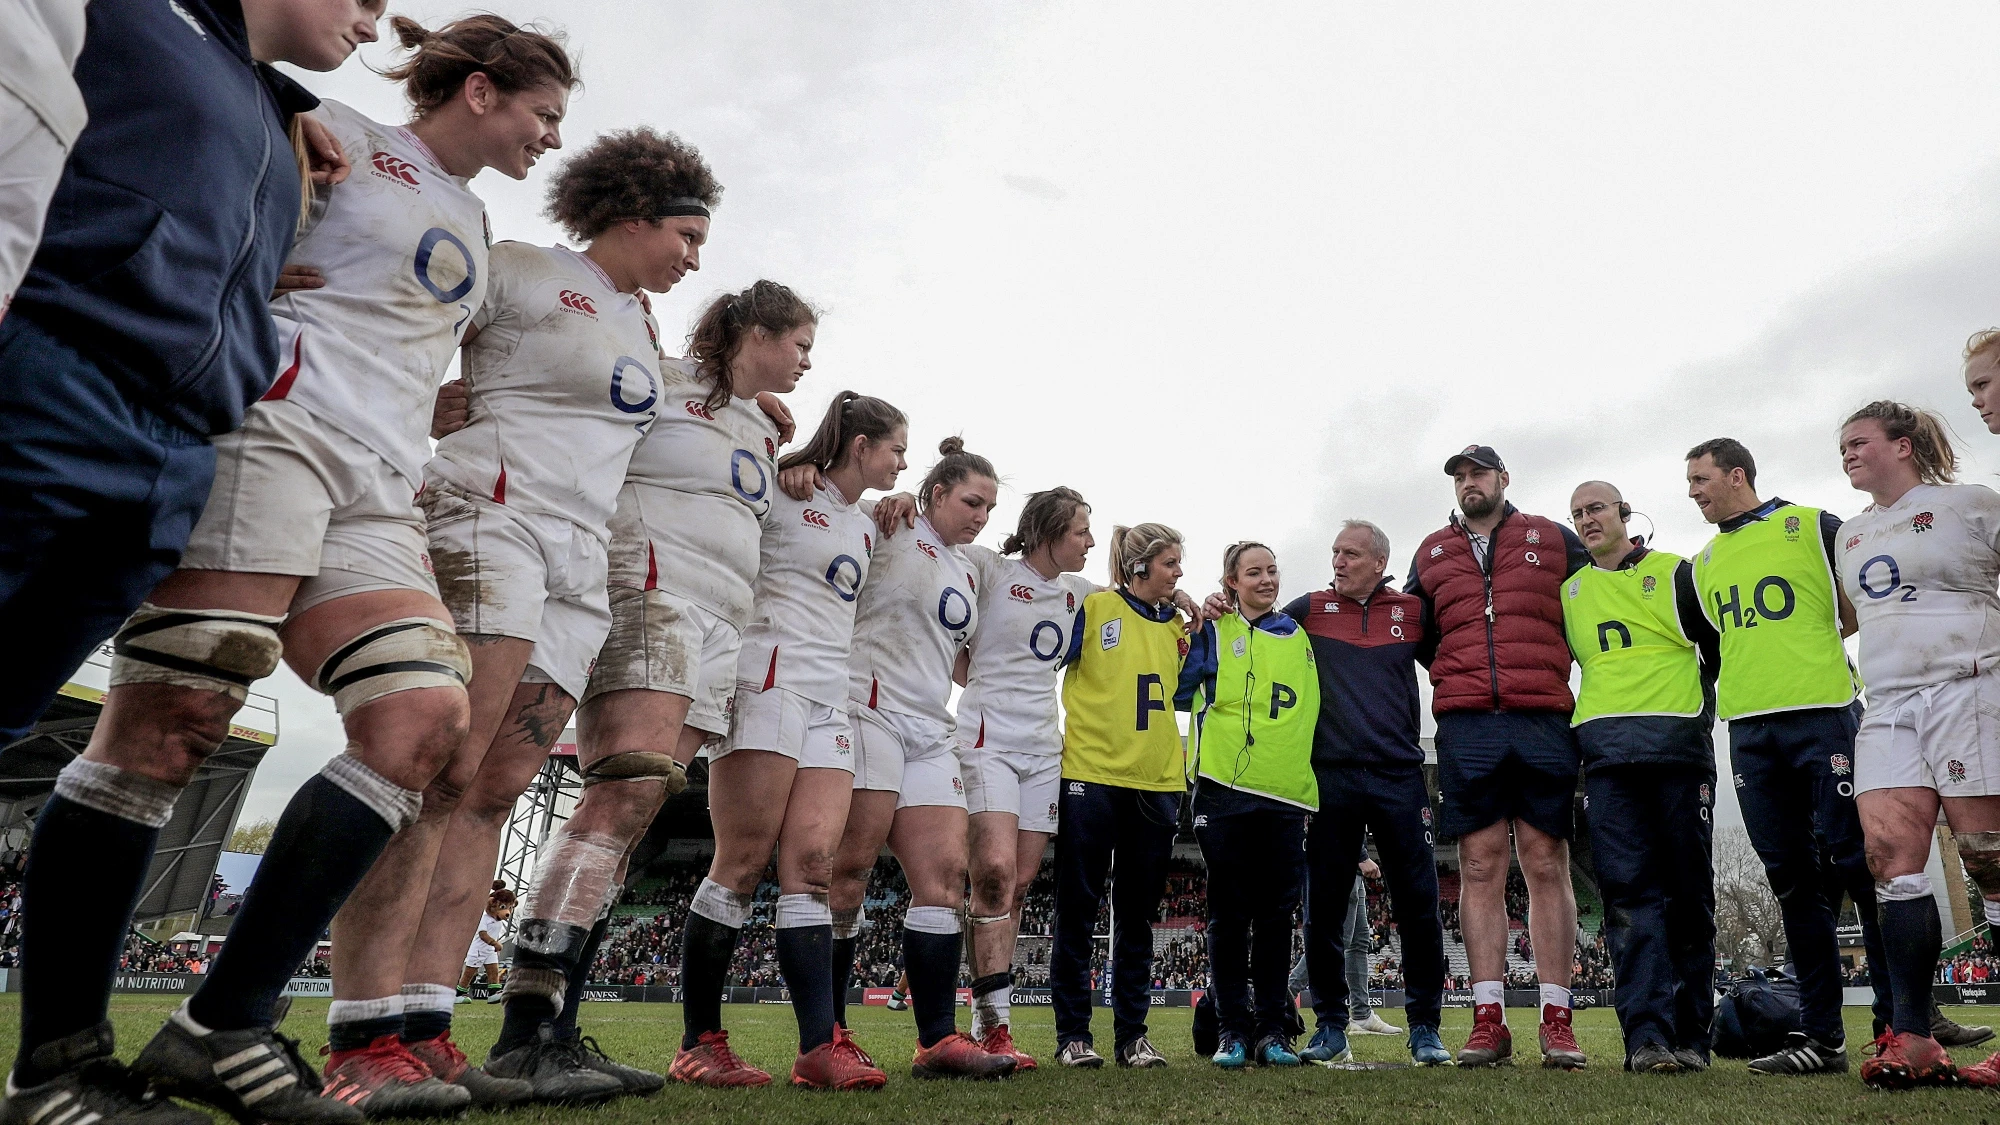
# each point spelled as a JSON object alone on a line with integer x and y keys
{"x": 1513, "y": 658}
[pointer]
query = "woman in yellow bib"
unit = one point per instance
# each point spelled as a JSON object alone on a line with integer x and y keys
{"x": 1254, "y": 789}
{"x": 1124, "y": 771}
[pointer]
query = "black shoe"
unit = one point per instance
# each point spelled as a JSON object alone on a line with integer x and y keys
{"x": 89, "y": 1086}
{"x": 1652, "y": 1058}
{"x": 1141, "y": 1053}
{"x": 254, "y": 1075}
{"x": 556, "y": 1069}
{"x": 635, "y": 1081}
{"x": 1692, "y": 1059}
{"x": 1803, "y": 1054}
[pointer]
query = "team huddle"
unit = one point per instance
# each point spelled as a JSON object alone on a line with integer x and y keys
{"x": 584, "y": 526}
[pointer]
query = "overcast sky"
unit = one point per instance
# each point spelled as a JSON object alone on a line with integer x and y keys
{"x": 1250, "y": 272}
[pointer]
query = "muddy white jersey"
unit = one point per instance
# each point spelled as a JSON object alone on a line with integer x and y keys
{"x": 563, "y": 379}
{"x": 402, "y": 245}
{"x": 1922, "y": 574}
{"x": 710, "y": 475}
{"x": 1013, "y": 680}
{"x": 920, "y": 607}
{"x": 812, "y": 564}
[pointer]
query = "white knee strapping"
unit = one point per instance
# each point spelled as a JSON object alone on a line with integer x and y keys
{"x": 718, "y": 903}
{"x": 638, "y": 765}
{"x": 796, "y": 912}
{"x": 204, "y": 649}
{"x": 1903, "y": 888}
{"x": 847, "y": 923}
{"x": 931, "y": 920}
{"x": 118, "y": 792}
{"x": 401, "y": 655}
{"x": 398, "y": 807}
{"x": 574, "y": 878}
{"x": 989, "y": 919}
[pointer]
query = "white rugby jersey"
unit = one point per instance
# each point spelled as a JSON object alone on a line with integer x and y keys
{"x": 1013, "y": 681}
{"x": 708, "y": 477}
{"x": 920, "y": 607}
{"x": 1922, "y": 574}
{"x": 403, "y": 247}
{"x": 812, "y": 566}
{"x": 563, "y": 379}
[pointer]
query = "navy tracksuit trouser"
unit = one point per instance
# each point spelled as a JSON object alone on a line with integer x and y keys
{"x": 1795, "y": 782}
{"x": 1651, "y": 831}
{"x": 1128, "y": 836}
{"x": 1392, "y": 804}
{"x": 1256, "y": 864}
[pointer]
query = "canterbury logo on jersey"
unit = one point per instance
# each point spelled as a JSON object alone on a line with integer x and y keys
{"x": 816, "y": 519}
{"x": 392, "y": 168}
{"x": 700, "y": 410}
{"x": 1021, "y": 593}
{"x": 926, "y": 548}
{"x": 576, "y": 302}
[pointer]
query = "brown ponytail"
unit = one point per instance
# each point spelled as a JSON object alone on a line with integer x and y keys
{"x": 717, "y": 336}
{"x": 514, "y": 58}
{"x": 1044, "y": 519}
{"x": 954, "y": 465}
{"x": 1929, "y": 437}
{"x": 850, "y": 415}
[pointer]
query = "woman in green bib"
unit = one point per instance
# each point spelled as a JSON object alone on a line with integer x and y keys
{"x": 1254, "y": 789}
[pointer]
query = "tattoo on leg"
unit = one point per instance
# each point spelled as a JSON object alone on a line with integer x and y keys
{"x": 542, "y": 718}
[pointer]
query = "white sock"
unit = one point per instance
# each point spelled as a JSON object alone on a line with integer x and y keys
{"x": 1992, "y": 911}
{"x": 354, "y": 1011}
{"x": 429, "y": 997}
{"x": 181, "y": 1017}
{"x": 1488, "y": 992}
{"x": 1555, "y": 994}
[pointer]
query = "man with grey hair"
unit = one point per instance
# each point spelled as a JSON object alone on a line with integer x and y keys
{"x": 1369, "y": 764}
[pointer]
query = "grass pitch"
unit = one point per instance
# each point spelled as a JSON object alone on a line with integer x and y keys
{"x": 1190, "y": 1092}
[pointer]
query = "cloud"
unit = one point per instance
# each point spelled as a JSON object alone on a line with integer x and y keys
{"x": 1035, "y": 186}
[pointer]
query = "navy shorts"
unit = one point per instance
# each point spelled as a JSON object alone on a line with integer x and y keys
{"x": 97, "y": 497}
{"x": 1506, "y": 765}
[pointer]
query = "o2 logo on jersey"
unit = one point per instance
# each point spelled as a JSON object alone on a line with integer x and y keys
{"x": 427, "y": 263}
{"x": 1053, "y": 639}
{"x": 576, "y": 302}
{"x": 1873, "y": 568}
{"x": 844, "y": 575}
{"x": 819, "y": 520}
{"x": 743, "y": 468}
{"x": 1020, "y": 593}
{"x": 618, "y": 374}
{"x": 394, "y": 170}
{"x": 1922, "y": 522}
{"x": 954, "y": 611}
{"x": 699, "y": 410}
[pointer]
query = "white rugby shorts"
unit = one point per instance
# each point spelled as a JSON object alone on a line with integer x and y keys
{"x": 667, "y": 643}
{"x": 508, "y": 573}
{"x": 293, "y": 496}
{"x": 1009, "y": 781}
{"x": 911, "y": 756}
{"x": 1944, "y": 737}
{"x": 812, "y": 734}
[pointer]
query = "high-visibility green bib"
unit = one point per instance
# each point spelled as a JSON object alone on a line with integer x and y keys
{"x": 1626, "y": 634}
{"x": 1768, "y": 589}
{"x": 1118, "y": 699}
{"x": 1257, "y": 730}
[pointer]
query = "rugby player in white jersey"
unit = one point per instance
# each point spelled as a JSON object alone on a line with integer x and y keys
{"x": 1921, "y": 566}
{"x": 913, "y": 621}
{"x": 312, "y": 547}
{"x": 683, "y": 557}
{"x": 784, "y": 776}
{"x": 562, "y": 367}
{"x": 1010, "y": 732}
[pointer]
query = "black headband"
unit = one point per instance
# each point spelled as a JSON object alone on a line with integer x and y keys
{"x": 684, "y": 205}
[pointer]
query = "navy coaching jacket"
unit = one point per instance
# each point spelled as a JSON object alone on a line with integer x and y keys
{"x": 1367, "y": 656}
{"x": 175, "y": 211}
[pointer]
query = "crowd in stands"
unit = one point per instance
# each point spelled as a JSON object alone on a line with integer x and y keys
{"x": 1977, "y": 965}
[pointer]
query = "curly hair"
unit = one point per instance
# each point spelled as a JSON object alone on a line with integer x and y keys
{"x": 629, "y": 174}
{"x": 515, "y": 58}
